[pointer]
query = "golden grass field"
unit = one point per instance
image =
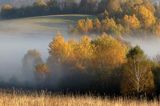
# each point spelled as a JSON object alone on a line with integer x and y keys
{"x": 42, "y": 99}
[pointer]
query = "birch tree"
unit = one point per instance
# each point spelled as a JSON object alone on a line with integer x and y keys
{"x": 137, "y": 73}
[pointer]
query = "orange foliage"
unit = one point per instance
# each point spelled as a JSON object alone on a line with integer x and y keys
{"x": 58, "y": 47}
{"x": 108, "y": 24}
{"x": 84, "y": 52}
{"x": 131, "y": 21}
{"x": 109, "y": 52}
{"x": 97, "y": 24}
{"x": 42, "y": 68}
{"x": 157, "y": 29}
{"x": 7, "y": 7}
{"x": 147, "y": 17}
{"x": 89, "y": 24}
{"x": 103, "y": 51}
{"x": 85, "y": 25}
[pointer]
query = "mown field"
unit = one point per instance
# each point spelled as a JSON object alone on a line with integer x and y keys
{"x": 19, "y": 98}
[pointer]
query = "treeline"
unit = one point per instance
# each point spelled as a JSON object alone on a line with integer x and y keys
{"x": 40, "y": 7}
{"x": 103, "y": 65}
{"x": 123, "y": 17}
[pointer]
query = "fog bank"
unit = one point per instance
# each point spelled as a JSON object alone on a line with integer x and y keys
{"x": 150, "y": 45}
{"x": 20, "y": 35}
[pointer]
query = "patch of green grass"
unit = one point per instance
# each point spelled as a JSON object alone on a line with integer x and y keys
{"x": 60, "y": 18}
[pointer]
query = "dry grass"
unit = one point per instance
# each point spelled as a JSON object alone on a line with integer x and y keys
{"x": 24, "y": 99}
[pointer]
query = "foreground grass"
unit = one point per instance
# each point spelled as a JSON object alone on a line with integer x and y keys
{"x": 42, "y": 99}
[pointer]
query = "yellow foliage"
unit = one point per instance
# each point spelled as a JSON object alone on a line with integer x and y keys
{"x": 147, "y": 17}
{"x": 89, "y": 24}
{"x": 80, "y": 25}
{"x": 103, "y": 51}
{"x": 108, "y": 24}
{"x": 84, "y": 52}
{"x": 7, "y": 7}
{"x": 85, "y": 25}
{"x": 40, "y": 3}
{"x": 42, "y": 68}
{"x": 137, "y": 73}
{"x": 148, "y": 4}
{"x": 97, "y": 24}
{"x": 131, "y": 21}
{"x": 85, "y": 48}
{"x": 109, "y": 52}
{"x": 157, "y": 29}
{"x": 57, "y": 46}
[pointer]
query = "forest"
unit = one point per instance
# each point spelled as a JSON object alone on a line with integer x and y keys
{"x": 115, "y": 17}
{"x": 136, "y": 18}
{"x": 105, "y": 64}
{"x": 51, "y": 7}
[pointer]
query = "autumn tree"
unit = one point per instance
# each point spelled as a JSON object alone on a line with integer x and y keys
{"x": 42, "y": 70}
{"x": 137, "y": 74}
{"x": 103, "y": 15}
{"x": 89, "y": 24}
{"x": 6, "y": 10}
{"x": 72, "y": 52}
{"x": 80, "y": 25}
{"x": 57, "y": 47}
{"x": 109, "y": 25}
{"x": 40, "y": 3}
{"x": 74, "y": 58}
{"x": 142, "y": 9}
{"x": 149, "y": 5}
{"x": 84, "y": 53}
{"x": 7, "y": 7}
{"x": 84, "y": 49}
{"x": 97, "y": 25}
{"x": 104, "y": 48}
{"x": 91, "y": 59}
{"x": 109, "y": 52}
{"x": 40, "y": 7}
{"x": 146, "y": 16}
{"x": 156, "y": 29}
{"x": 131, "y": 22}
{"x": 31, "y": 59}
{"x": 85, "y": 25}
{"x": 127, "y": 7}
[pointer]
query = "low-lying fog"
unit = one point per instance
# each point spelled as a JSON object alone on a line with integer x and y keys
{"x": 151, "y": 45}
{"x": 19, "y": 35}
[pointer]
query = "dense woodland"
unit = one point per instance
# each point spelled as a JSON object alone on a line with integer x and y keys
{"x": 115, "y": 17}
{"x": 103, "y": 65}
{"x": 40, "y": 7}
{"x": 123, "y": 17}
